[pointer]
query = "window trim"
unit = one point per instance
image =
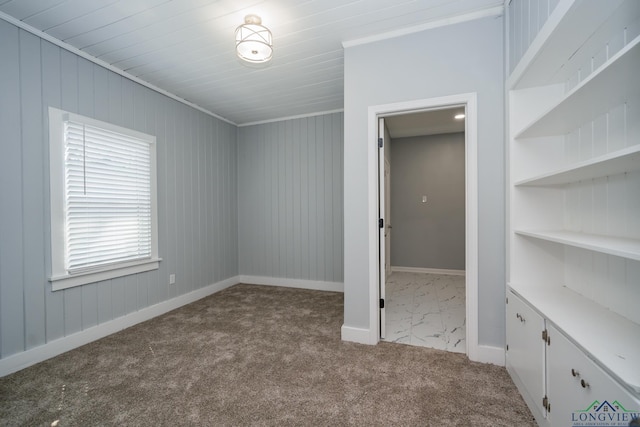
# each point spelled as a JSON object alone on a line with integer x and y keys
{"x": 60, "y": 278}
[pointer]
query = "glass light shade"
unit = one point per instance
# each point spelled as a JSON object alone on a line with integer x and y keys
{"x": 253, "y": 41}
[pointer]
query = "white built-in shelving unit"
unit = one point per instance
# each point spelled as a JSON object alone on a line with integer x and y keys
{"x": 574, "y": 187}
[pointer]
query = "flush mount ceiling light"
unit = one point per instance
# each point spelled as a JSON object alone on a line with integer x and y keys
{"x": 459, "y": 116}
{"x": 254, "y": 43}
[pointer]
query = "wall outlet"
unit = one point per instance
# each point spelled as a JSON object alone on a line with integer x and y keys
{"x": 172, "y": 279}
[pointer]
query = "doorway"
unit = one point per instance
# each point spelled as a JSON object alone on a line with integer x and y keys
{"x": 377, "y": 240}
{"x": 424, "y": 286}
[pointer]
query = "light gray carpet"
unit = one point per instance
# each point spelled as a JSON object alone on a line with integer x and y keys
{"x": 254, "y": 355}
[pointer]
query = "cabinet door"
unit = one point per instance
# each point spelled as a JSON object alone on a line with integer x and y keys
{"x": 580, "y": 392}
{"x": 525, "y": 351}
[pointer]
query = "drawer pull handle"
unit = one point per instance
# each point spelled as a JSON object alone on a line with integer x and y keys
{"x": 519, "y": 316}
{"x": 584, "y": 384}
{"x": 575, "y": 373}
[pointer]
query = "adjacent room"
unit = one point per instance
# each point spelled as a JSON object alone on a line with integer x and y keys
{"x": 424, "y": 200}
{"x": 337, "y": 212}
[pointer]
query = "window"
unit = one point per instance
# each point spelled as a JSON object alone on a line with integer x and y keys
{"x": 103, "y": 200}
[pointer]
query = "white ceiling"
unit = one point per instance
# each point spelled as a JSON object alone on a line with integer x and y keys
{"x": 186, "y": 47}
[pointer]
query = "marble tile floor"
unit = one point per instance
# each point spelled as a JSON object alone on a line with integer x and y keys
{"x": 426, "y": 310}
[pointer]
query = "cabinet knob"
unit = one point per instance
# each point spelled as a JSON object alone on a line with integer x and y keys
{"x": 584, "y": 384}
{"x": 575, "y": 373}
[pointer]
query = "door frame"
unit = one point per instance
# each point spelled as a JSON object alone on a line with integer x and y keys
{"x": 469, "y": 101}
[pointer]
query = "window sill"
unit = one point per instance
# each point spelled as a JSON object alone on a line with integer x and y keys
{"x": 64, "y": 281}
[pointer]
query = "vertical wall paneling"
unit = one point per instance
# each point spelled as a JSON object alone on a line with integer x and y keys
{"x": 11, "y": 297}
{"x": 282, "y": 199}
{"x": 290, "y": 199}
{"x": 140, "y": 106}
{"x": 231, "y": 139}
{"x": 162, "y": 277}
{"x": 189, "y": 200}
{"x": 197, "y": 192}
{"x": 86, "y": 106}
{"x": 179, "y": 203}
{"x": 32, "y": 177}
{"x": 296, "y": 200}
{"x": 70, "y": 83}
{"x": 198, "y": 202}
{"x": 320, "y": 185}
{"x": 288, "y": 151}
{"x": 272, "y": 171}
{"x": 304, "y": 200}
{"x": 338, "y": 178}
{"x": 102, "y": 109}
{"x": 154, "y": 284}
{"x": 212, "y": 130}
{"x": 217, "y": 177}
{"x": 51, "y": 78}
{"x": 170, "y": 213}
{"x": 313, "y": 198}
{"x": 526, "y": 18}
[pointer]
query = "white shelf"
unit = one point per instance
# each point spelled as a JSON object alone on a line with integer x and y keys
{"x": 608, "y": 338}
{"x": 621, "y": 161}
{"x": 571, "y": 25}
{"x": 610, "y": 85}
{"x": 618, "y": 246}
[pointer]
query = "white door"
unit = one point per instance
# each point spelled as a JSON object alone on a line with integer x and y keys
{"x": 387, "y": 217}
{"x": 382, "y": 224}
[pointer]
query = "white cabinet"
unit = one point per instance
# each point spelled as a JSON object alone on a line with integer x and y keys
{"x": 559, "y": 382}
{"x": 573, "y": 106}
{"x": 525, "y": 351}
{"x": 579, "y": 391}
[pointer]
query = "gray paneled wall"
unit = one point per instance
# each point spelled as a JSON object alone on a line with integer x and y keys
{"x": 477, "y": 65}
{"x": 431, "y": 234}
{"x": 197, "y": 192}
{"x": 290, "y": 198}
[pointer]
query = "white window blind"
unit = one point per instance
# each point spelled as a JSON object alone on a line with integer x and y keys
{"x": 108, "y": 216}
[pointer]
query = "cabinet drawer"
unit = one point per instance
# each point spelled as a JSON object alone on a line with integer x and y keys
{"x": 580, "y": 392}
{"x": 525, "y": 351}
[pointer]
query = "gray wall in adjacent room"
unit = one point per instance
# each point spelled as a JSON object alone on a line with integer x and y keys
{"x": 290, "y": 198}
{"x": 455, "y": 59}
{"x": 197, "y": 192}
{"x": 428, "y": 235}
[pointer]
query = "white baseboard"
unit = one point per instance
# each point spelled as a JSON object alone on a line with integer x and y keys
{"x": 51, "y": 349}
{"x": 293, "y": 283}
{"x": 489, "y": 354}
{"x": 359, "y": 335}
{"x": 428, "y": 270}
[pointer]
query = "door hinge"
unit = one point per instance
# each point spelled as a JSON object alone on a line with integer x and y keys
{"x": 381, "y": 302}
{"x": 507, "y": 298}
{"x": 546, "y": 404}
{"x": 546, "y": 337}
{"x": 381, "y": 223}
{"x": 380, "y": 142}
{"x": 507, "y": 347}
